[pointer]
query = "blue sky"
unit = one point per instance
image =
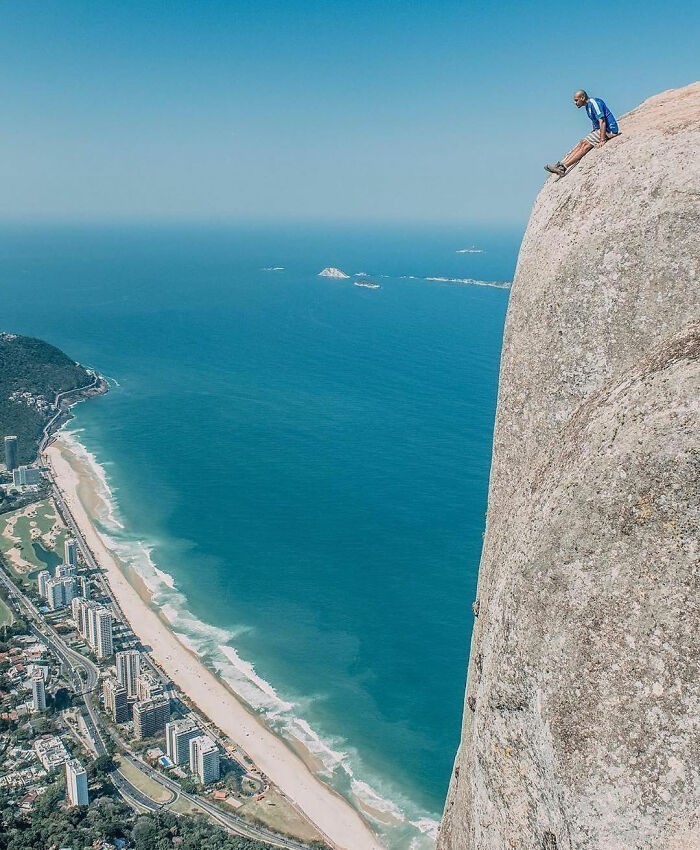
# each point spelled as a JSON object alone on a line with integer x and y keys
{"x": 337, "y": 110}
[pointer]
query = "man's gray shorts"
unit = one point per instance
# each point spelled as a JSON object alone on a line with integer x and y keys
{"x": 594, "y": 137}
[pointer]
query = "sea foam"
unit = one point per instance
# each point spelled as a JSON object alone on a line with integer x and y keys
{"x": 338, "y": 764}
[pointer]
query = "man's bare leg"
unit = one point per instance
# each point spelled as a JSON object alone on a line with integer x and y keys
{"x": 577, "y": 153}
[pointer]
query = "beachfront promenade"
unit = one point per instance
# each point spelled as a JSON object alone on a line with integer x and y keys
{"x": 337, "y": 822}
{"x": 85, "y": 676}
{"x": 79, "y": 662}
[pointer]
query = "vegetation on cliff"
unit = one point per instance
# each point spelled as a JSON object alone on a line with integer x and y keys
{"x": 32, "y": 373}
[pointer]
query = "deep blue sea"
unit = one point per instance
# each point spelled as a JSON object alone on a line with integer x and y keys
{"x": 298, "y": 466}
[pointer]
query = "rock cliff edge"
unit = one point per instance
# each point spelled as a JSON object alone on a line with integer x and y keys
{"x": 582, "y": 715}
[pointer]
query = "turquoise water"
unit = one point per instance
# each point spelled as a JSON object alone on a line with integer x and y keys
{"x": 297, "y": 465}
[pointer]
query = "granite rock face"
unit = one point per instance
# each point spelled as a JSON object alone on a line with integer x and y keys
{"x": 582, "y": 715}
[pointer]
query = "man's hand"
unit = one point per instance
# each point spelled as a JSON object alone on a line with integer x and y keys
{"x": 603, "y": 132}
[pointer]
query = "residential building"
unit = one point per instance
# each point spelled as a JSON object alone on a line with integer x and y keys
{"x": 151, "y": 716}
{"x": 100, "y": 628}
{"x": 79, "y": 608}
{"x": 11, "y": 454}
{"x": 83, "y": 586}
{"x": 65, "y": 571}
{"x": 178, "y": 735}
{"x": 42, "y": 579}
{"x": 83, "y": 620}
{"x": 115, "y": 700}
{"x": 76, "y": 783}
{"x": 50, "y": 751}
{"x": 54, "y": 593}
{"x": 148, "y": 687}
{"x": 24, "y": 476}
{"x": 60, "y": 592}
{"x": 128, "y": 664}
{"x": 97, "y": 628}
{"x": 204, "y": 759}
{"x": 91, "y": 610}
{"x": 38, "y": 693}
{"x": 70, "y": 552}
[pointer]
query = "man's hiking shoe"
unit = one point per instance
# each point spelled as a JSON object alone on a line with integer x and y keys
{"x": 557, "y": 168}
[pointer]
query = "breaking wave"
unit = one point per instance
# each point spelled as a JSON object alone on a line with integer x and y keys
{"x": 396, "y": 819}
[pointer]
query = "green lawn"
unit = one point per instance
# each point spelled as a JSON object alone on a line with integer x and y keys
{"x": 6, "y": 616}
{"x": 144, "y": 783}
{"x": 41, "y": 517}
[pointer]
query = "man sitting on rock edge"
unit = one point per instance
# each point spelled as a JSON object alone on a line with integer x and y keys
{"x": 604, "y": 128}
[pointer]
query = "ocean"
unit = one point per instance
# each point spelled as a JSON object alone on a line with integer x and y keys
{"x": 297, "y": 466}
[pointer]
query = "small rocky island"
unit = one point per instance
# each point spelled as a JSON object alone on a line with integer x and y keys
{"x": 331, "y": 271}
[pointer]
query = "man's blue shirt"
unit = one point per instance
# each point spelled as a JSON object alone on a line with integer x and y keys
{"x": 596, "y": 109}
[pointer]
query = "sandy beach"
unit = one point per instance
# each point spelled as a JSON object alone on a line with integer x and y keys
{"x": 333, "y": 816}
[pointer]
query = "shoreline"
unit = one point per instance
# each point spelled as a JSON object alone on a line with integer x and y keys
{"x": 335, "y": 818}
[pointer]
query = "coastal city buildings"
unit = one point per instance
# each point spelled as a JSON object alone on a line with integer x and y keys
{"x": 79, "y": 614}
{"x": 65, "y": 571}
{"x": 26, "y": 476}
{"x": 100, "y": 631}
{"x": 94, "y": 622}
{"x": 76, "y": 783}
{"x": 70, "y": 552}
{"x": 115, "y": 700}
{"x": 60, "y": 592}
{"x": 42, "y": 579}
{"x": 51, "y": 751}
{"x": 38, "y": 692}
{"x": 128, "y": 664}
{"x": 148, "y": 687}
{"x": 150, "y": 717}
{"x": 83, "y": 586}
{"x": 11, "y": 453}
{"x": 204, "y": 759}
{"x": 178, "y": 734}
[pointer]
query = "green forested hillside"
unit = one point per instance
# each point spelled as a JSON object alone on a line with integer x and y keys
{"x": 30, "y": 365}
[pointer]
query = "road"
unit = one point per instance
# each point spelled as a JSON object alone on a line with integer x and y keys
{"x": 46, "y": 436}
{"x": 85, "y": 676}
{"x": 73, "y": 663}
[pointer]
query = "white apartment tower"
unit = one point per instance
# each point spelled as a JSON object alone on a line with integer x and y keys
{"x": 38, "y": 693}
{"x": 98, "y": 628}
{"x": 204, "y": 759}
{"x": 128, "y": 664}
{"x": 60, "y": 592}
{"x": 83, "y": 587}
{"x": 178, "y": 735}
{"x": 78, "y": 613}
{"x": 42, "y": 579}
{"x": 65, "y": 570}
{"x": 148, "y": 687}
{"x": 76, "y": 783}
{"x": 82, "y": 620}
{"x": 70, "y": 552}
{"x": 115, "y": 700}
{"x": 102, "y": 630}
{"x": 150, "y": 717}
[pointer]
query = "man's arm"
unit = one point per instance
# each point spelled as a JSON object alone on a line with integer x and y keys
{"x": 603, "y": 136}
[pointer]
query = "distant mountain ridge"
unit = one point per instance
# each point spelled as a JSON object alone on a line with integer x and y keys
{"x": 32, "y": 374}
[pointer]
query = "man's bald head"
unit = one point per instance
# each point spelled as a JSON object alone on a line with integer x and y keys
{"x": 580, "y": 98}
